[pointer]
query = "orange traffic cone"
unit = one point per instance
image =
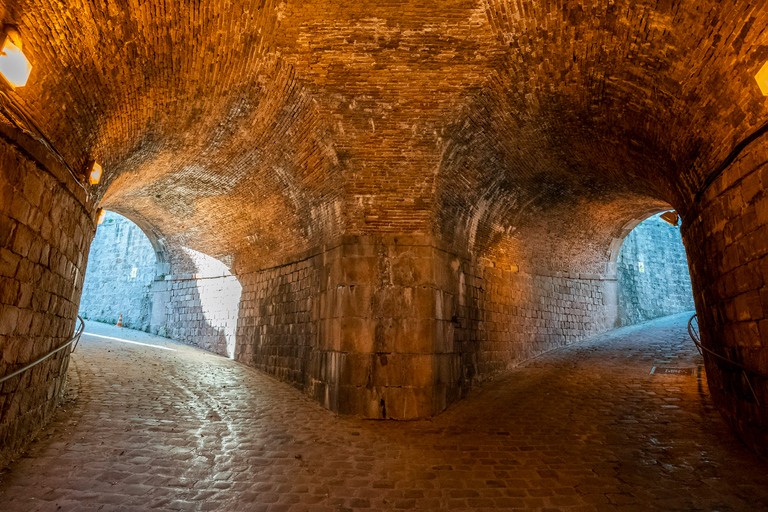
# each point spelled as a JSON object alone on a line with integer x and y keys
{"x": 120, "y": 321}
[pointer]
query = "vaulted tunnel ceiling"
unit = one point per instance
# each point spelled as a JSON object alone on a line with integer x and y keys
{"x": 259, "y": 128}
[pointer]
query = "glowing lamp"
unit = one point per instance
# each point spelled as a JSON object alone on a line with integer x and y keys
{"x": 762, "y": 79}
{"x": 95, "y": 175}
{"x": 670, "y": 217}
{"x": 14, "y": 66}
{"x": 100, "y": 216}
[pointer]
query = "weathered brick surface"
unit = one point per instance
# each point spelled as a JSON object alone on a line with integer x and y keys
{"x": 44, "y": 236}
{"x": 731, "y": 294}
{"x": 489, "y": 319}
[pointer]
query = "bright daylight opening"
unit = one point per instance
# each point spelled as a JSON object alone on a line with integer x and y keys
{"x": 652, "y": 273}
{"x": 126, "y": 285}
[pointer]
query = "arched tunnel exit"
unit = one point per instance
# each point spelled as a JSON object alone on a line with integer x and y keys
{"x": 651, "y": 265}
{"x": 176, "y": 292}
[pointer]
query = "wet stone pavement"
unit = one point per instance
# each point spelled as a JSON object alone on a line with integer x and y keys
{"x": 584, "y": 428}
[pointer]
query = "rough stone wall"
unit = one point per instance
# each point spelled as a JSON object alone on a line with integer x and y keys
{"x": 199, "y": 310}
{"x": 663, "y": 287}
{"x": 726, "y": 235}
{"x": 110, "y": 288}
{"x": 45, "y": 231}
{"x": 490, "y": 319}
{"x": 390, "y": 327}
{"x": 282, "y": 329}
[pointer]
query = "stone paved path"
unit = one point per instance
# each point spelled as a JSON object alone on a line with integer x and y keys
{"x": 580, "y": 429}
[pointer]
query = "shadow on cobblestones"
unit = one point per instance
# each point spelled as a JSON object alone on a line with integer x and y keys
{"x": 583, "y": 428}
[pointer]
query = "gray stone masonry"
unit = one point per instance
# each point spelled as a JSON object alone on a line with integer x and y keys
{"x": 112, "y": 286}
{"x": 653, "y": 273}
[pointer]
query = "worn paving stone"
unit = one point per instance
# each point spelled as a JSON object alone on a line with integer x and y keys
{"x": 584, "y": 428}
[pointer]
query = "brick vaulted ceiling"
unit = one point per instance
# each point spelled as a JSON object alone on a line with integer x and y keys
{"x": 265, "y": 127}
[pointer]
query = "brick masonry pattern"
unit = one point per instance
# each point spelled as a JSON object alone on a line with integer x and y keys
{"x": 524, "y": 134}
{"x": 45, "y": 232}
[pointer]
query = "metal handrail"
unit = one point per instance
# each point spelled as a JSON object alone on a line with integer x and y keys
{"x": 74, "y": 339}
{"x": 694, "y": 334}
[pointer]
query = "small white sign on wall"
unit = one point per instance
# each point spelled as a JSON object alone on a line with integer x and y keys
{"x": 134, "y": 270}
{"x": 640, "y": 266}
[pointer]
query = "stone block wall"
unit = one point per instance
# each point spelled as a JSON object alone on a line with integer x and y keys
{"x": 383, "y": 327}
{"x": 111, "y": 287}
{"x": 663, "y": 285}
{"x": 45, "y": 231}
{"x": 270, "y": 319}
{"x": 200, "y": 310}
{"x": 490, "y": 319}
{"x": 726, "y": 234}
{"x": 283, "y": 329}
{"x": 384, "y": 303}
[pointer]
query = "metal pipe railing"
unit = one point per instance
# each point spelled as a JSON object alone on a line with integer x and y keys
{"x": 74, "y": 339}
{"x": 694, "y": 334}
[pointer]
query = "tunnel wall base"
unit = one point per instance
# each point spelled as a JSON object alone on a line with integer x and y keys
{"x": 45, "y": 232}
{"x": 389, "y": 327}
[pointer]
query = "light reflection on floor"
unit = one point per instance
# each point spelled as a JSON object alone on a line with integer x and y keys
{"x": 129, "y": 341}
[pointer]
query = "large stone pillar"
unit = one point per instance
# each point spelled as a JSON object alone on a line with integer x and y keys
{"x": 726, "y": 237}
{"x": 45, "y": 231}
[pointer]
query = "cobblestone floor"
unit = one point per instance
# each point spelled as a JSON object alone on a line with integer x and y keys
{"x": 579, "y": 429}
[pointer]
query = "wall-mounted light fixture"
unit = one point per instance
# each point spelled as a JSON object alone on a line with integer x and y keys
{"x": 100, "y": 215}
{"x": 762, "y": 79}
{"x": 94, "y": 174}
{"x": 14, "y": 65}
{"x": 670, "y": 217}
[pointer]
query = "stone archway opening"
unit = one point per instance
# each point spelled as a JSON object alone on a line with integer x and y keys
{"x": 651, "y": 268}
{"x": 176, "y": 292}
{"x": 122, "y": 266}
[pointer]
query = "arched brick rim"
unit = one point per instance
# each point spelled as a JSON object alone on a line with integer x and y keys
{"x": 618, "y": 241}
{"x": 155, "y": 237}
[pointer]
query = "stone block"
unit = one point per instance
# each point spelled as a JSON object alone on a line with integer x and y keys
{"x": 357, "y": 335}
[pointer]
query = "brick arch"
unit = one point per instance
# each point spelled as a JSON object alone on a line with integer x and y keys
{"x": 618, "y": 240}
{"x": 155, "y": 237}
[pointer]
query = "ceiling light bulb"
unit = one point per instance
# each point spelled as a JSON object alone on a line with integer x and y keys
{"x": 14, "y": 66}
{"x": 95, "y": 174}
{"x": 762, "y": 79}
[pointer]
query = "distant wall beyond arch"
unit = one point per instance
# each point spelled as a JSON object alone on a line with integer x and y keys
{"x": 652, "y": 273}
{"x": 121, "y": 269}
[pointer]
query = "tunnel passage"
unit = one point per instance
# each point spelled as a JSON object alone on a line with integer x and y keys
{"x": 118, "y": 281}
{"x": 175, "y": 292}
{"x": 412, "y": 196}
{"x": 652, "y": 273}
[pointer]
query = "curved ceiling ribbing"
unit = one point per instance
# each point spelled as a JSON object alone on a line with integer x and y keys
{"x": 262, "y": 127}
{"x": 628, "y": 105}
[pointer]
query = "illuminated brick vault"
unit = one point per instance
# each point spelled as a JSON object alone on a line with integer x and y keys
{"x": 400, "y": 199}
